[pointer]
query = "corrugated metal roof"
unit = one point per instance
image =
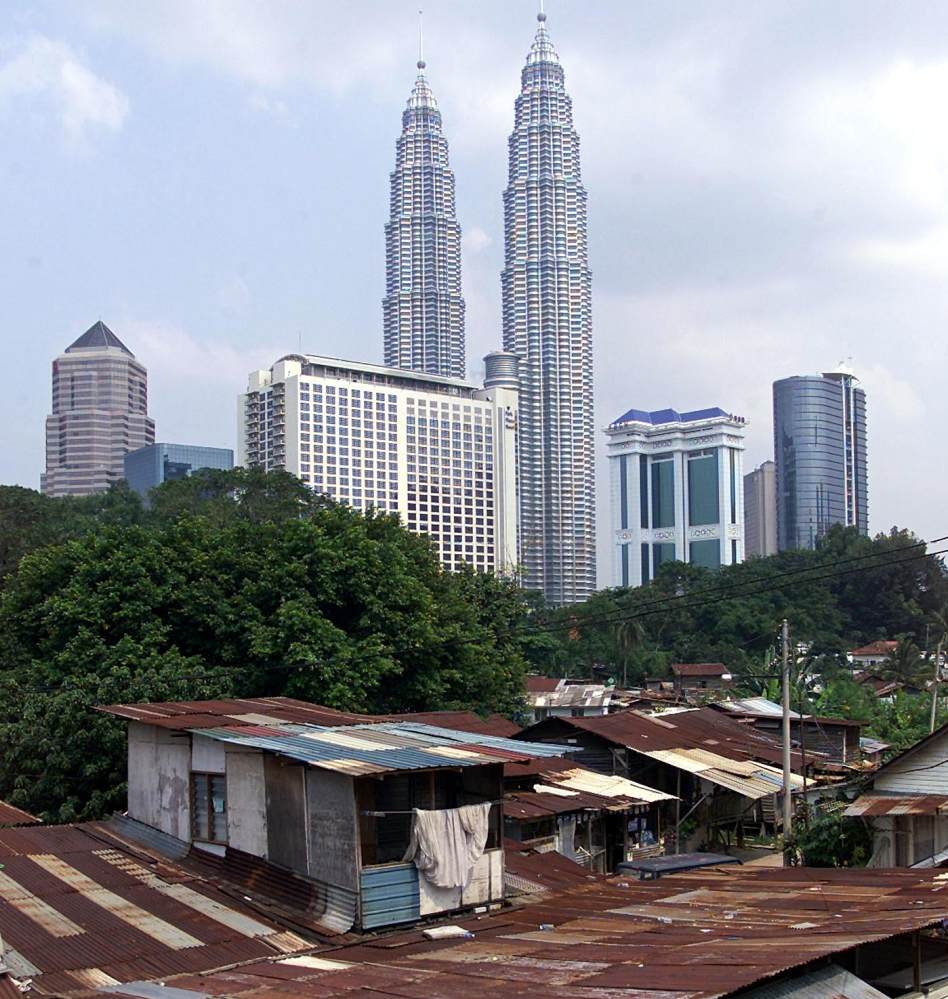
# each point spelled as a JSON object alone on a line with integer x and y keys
{"x": 831, "y": 982}
{"x": 538, "y": 684}
{"x": 752, "y": 780}
{"x": 559, "y": 792}
{"x": 700, "y": 669}
{"x": 576, "y": 695}
{"x": 698, "y": 728}
{"x": 360, "y": 750}
{"x": 187, "y": 715}
{"x": 86, "y": 912}
{"x": 895, "y": 804}
{"x": 697, "y": 935}
{"x": 10, "y": 815}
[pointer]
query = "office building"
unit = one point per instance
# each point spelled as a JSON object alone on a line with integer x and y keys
{"x": 437, "y": 451}
{"x": 675, "y": 489}
{"x": 149, "y": 466}
{"x": 423, "y": 311}
{"x": 820, "y": 454}
{"x": 760, "y": 511}
{"x": 100, "y": 413}
{"x": 547, "y": 322}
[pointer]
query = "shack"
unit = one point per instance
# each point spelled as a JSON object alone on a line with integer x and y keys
{"x": 550, "y": 698}
{"x": 907, "y": 806}
{"x": 833, "y": 740}
{"x": 700, "y": 679}
{"x": 723, "y": 774}
{"x": 597, "y": 821}
{"x": 366, "y": 812}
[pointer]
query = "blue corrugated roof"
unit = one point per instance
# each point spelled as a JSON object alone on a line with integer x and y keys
{"x": 401, "y": 746}
{"x": 659, "y": 416}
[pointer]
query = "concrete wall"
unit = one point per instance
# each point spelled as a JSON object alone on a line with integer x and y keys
{"x": 207, "y": 755}
{"x": 159, "y": 779}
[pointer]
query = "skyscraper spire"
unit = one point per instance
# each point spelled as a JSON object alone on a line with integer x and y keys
{"x": 421, "y": 39}
{"x": 423, "y": 311}
{"x": 547, "y": 317}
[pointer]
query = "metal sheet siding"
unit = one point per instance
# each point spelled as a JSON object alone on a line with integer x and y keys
{"x": 390, "y": 895}
{"x": 921, "y": 772}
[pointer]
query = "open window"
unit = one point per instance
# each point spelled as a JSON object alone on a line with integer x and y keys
{"x": 385, "y": 807}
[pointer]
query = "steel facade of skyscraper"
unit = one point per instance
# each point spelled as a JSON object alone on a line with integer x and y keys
{"x": 154, "y": 464}
{"x": 423, "y": 311}
{"x": 547, "y": 322}
{"x": 820, "y": 452}
{"x": 760, "y": 510}
{"x": 100, "y": 413}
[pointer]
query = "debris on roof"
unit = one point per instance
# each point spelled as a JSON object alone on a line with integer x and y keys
{"x": 530, "y": 872}
{"x": 559, "y": 792}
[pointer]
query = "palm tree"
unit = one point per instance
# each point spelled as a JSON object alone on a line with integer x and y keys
{"x": 940, "y": 625}
{"x": 629, "y": 635}
{"x": 905, "y": 663}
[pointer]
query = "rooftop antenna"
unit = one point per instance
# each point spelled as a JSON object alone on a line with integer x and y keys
{"x": 421, "y": 39}
{"x": 541, "y": 16}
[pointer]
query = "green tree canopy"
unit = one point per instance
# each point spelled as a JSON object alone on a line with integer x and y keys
{"x": 312, "y": 600}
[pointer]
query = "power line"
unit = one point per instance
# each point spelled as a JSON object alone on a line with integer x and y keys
{"x": 653, "y": 607}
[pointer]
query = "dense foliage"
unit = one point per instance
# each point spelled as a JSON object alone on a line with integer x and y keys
{"x": 850, "y": 591}
{"x": 242, "y": 585}
{"x": 830, "y": 839}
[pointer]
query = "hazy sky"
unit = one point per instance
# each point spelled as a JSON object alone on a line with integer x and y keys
{"x": 768, "y": 194}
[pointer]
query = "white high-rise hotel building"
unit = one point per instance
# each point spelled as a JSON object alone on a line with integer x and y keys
{"x": 676, "y": 486}
{"x": 547, "y": 321}
{"x": 437, "y": 451}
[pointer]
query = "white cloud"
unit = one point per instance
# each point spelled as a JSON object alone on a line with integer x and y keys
{"x": 51, "y": 72}
{"x": 193, "y": 384}
{"x": 475, "y": 240}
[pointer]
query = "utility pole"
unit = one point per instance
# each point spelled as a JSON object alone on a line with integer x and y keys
{"x": 931, "y": 726}
{"x": 787, "y": 799}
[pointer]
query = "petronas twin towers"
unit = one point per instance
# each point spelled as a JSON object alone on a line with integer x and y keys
{"x": 547, "y": 306}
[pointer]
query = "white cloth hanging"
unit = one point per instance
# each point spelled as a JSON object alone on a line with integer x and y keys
{"x": 446, "y": 843}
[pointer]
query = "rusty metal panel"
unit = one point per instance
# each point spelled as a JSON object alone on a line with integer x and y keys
{"x": 905, "y": 804}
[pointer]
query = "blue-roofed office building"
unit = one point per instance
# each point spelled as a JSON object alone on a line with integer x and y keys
{"x": 150, "y": 466}
{"x": 676, "y": 490}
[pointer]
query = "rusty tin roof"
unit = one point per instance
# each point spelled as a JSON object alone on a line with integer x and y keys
{"x": 81, "y": 911}
{"x": 698, "y": 935}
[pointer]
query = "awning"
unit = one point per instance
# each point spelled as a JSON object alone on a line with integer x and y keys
{"x": 903, "y": 804}
{"x": 745, "y": 777}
